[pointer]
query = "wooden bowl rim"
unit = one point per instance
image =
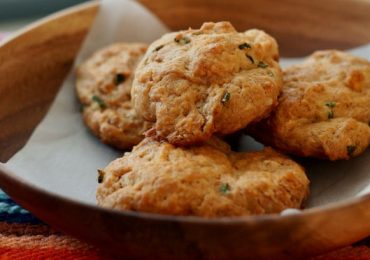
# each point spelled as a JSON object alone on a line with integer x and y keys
{"x": 34, "y": 25}
{"x": 8, "y": 176}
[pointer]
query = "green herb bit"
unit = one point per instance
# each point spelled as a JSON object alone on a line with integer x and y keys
{"x": 183, "y": 40}
{"x": 262, "y": 65}
{"x": 119, "y": 78}
{"x": 99, "y": 101}
{"x": 330, "y": 114}
{"x": 250, "y": 58}
{"x": 270, "y": 73}
{"x": 245, "y": 46}
{"x": 101, "y": 174}
{"x": 330, "y": 104}
{"x": 82, "y": 107}
{"x": 224, "y": 188}
{"x": 226, "y": 97}
{"x": 350, "y": 150}
{"x": 159, "y": 47}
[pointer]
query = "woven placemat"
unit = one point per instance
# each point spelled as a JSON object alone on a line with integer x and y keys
{"x": 23, "y": 236}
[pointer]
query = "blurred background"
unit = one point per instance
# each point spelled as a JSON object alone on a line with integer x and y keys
{"x": 16, "y": 13}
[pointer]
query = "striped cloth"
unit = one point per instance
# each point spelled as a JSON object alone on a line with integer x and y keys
{"x": 22, "y": 236}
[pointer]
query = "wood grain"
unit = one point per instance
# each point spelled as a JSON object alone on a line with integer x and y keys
{"x": 32, "y": 67}
{"x": 34, "y": 63}
{"x": 299, "y": 26}
{"x": 148, "y": 236}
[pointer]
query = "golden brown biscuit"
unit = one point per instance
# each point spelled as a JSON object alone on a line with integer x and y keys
{"x": 324, "y": 109}
{"x": 214, "y": 80}
{"x": 103, "y": 87}
{"x": 208, "y": 180}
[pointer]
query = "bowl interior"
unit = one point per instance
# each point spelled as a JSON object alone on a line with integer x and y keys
{"x": 53, "y": 44}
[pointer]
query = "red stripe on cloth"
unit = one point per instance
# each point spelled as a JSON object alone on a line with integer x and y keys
{"x": 347, "y": 253}
{"x": 47, "y": 253}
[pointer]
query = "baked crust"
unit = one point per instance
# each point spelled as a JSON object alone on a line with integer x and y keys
{"x": 213, "y": 80}
{"x": 208, "y": 180}
{"x": 324, "y": 109}
{"x": 103, "y": 86}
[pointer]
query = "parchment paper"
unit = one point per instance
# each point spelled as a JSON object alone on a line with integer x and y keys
{"x": 62, "y": 156}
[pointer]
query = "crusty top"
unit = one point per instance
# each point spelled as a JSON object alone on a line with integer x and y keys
{"x": 208, "y": 180}
{"x": 195, "y": 83}
{"x": 324, "y": 108}
{"x": 108, "y": 74}
{"x": 103, "y": 86}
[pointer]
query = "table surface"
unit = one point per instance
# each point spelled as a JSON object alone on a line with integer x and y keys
{"x": 23, "y": 236}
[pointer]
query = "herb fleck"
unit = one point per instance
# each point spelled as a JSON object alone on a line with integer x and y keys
{"x": 119, "y": 78}
{"x": 350, "y": 150}
{"x": 82, "y": 107}
{"x": 101, "y": 174}
{"x": 99, "y": 101}
{"x": 250, "y": 58}
{"x": 244, "y": 46}
{"x": 226, "y": 97}
{"x": 224, "y": 188}
{"x": 330, "y": 104}
{"x": 159, "y": 47}
{"x": 197, "y": 33}
{"x": 330, "y": 114}
{"x": 270, "y": 73}
{"x": 182, "y": 41}
{"x": 262, "y": 65}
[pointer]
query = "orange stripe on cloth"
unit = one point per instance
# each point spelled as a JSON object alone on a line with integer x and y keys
{"x": 24, "y": 241}
{"x": 40, "y": 241}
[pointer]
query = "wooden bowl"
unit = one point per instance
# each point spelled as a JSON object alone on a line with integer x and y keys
{"x": 39, "y": 57}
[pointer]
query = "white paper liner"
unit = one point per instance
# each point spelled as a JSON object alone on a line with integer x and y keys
{"x": 62, "y": 156}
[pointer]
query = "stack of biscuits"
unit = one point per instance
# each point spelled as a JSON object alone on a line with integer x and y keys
{"x": 171, "y": 104}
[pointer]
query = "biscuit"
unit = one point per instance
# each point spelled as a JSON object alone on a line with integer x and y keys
{"x": 103, "y": 86}
{"x": 196, "y": 83}
{"x": 208, "y": 180}
{"x": 324, "y": 109}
